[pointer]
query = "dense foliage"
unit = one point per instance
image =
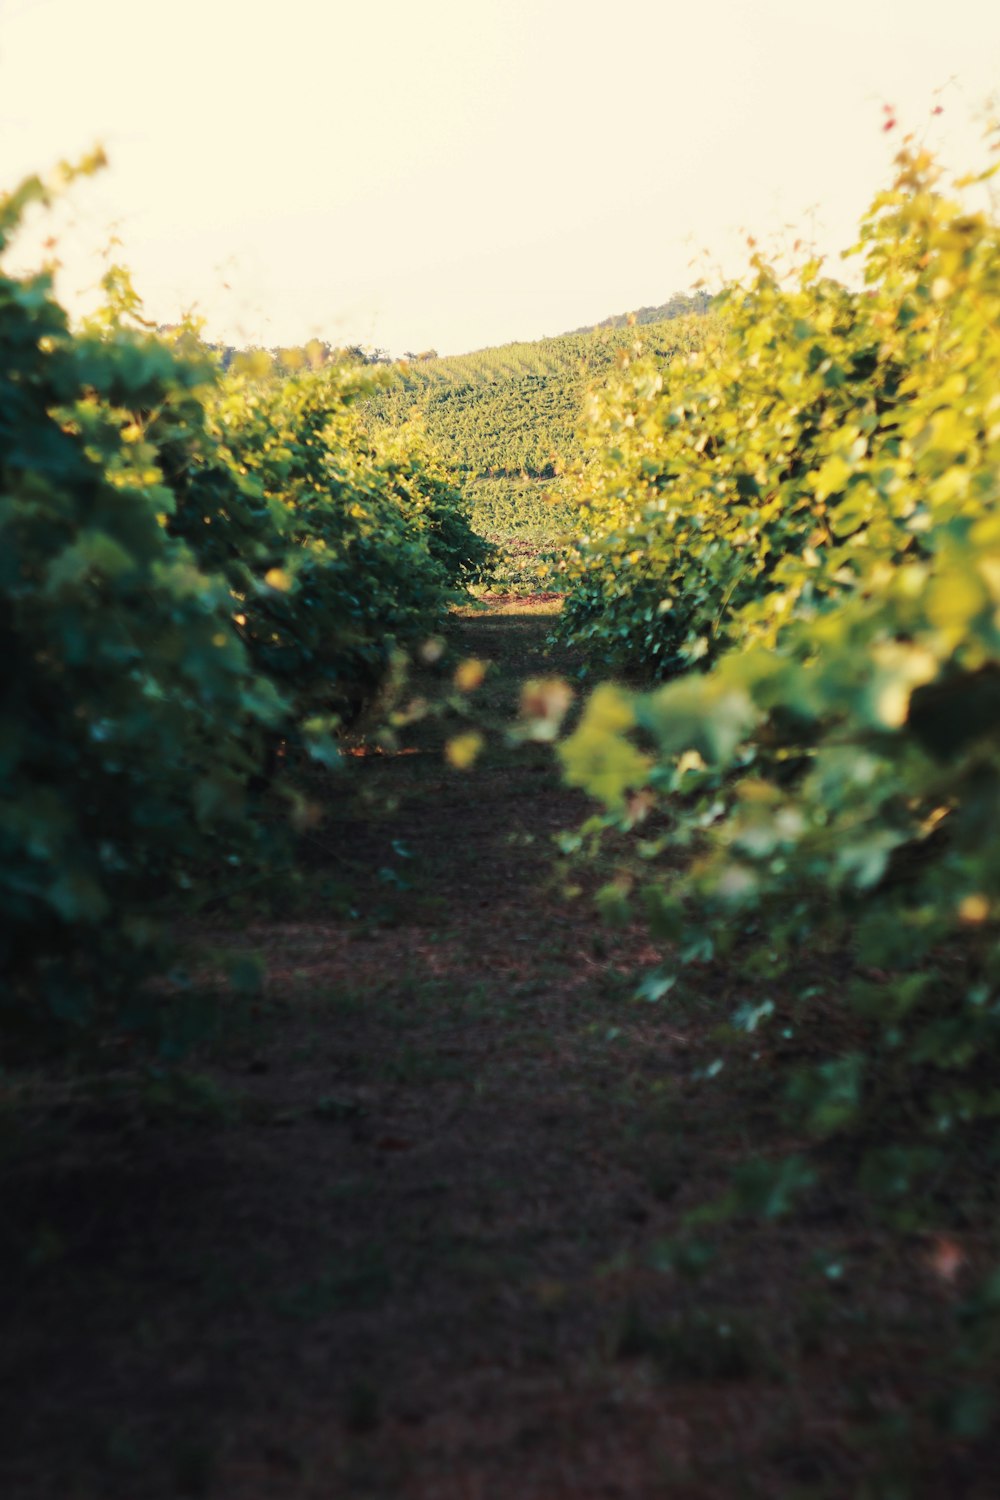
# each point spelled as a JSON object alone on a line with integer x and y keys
{"x": 677, "y": 306}
{"x": 817, "y": 518}
{"x": 338, "y": 548}
{"x": 708, "y": 497}
{"x": 191, "y": 572}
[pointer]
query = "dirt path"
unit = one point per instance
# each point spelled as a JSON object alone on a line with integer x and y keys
{"x": 400, "y": 1240}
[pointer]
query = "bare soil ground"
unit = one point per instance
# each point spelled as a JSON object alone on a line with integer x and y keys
{"x": 399, "y": 1232}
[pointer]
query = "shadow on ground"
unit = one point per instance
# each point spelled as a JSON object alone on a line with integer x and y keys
{"x": 398, "y": 1235}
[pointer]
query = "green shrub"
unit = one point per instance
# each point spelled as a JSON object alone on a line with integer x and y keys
{"x": 726, "y": 488}
{"x": 828, "y": 528}
{"x": 340, "y": 548}
{"x": 131, "y": 719}
{"x": 193, "y": 570}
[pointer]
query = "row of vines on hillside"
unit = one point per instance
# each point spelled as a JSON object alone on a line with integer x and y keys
{"x": 800, "y": 527}
{"x": 196, "y": 572}
{"x": 515, "y": 411}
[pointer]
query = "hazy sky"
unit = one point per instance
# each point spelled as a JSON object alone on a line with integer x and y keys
{"x": 456, "y": 173}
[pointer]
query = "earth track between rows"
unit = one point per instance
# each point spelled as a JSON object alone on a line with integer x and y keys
{"x": 404, "y": 1242}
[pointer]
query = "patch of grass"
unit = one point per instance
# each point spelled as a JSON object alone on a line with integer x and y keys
{"x": 414, "y": 1068}
{"x": 526, "y": 607}
{"x": 194, "y": 1465}
{"x": 360, "y": 1281}
{"x": 362, "y": 1406}
{"x": 700, "y": 1344}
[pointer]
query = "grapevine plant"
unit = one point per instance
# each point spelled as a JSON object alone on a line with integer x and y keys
{"x": 194, "y": 571}
{"x": 800, "y": 527}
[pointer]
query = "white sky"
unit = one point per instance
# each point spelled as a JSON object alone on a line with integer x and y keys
{"x": 457, "y": 173}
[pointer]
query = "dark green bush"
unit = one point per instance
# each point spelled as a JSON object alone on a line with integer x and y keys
{"x": 193, "y": 569}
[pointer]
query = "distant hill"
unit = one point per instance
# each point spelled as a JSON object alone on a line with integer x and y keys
{"x": 506, "y": 421}
{"x": 680, "y": 305}
{"x": 514, "y": 411}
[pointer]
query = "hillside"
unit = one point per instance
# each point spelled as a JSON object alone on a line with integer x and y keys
{"x": 506, "y": 422}
{"x": 514, "y": 411}
{"x": 678, "y": 306}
